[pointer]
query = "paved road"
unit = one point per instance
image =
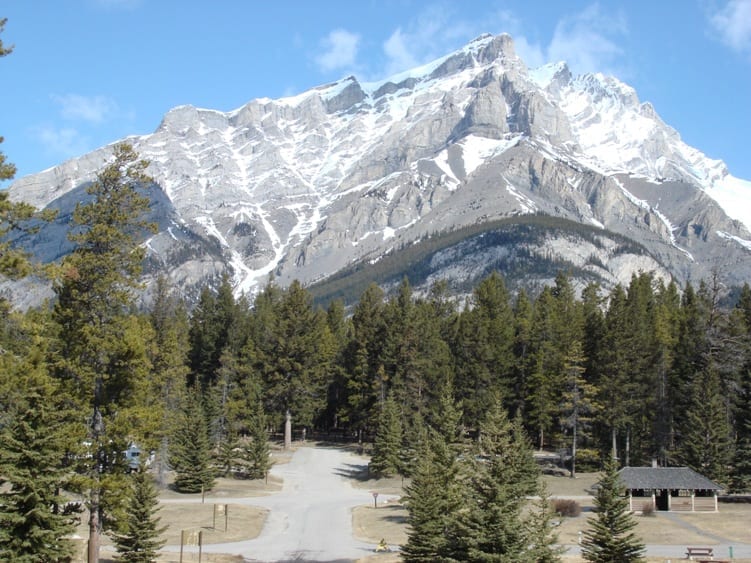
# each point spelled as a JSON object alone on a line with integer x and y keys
{"x": 311, "y": 518}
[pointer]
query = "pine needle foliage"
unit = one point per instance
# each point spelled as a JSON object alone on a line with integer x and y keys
{"x": 387, "y": 446}
{"x": 433, "y": 498}
{"x": 610, "y": 537}
{"x": 139, "y": 541}
{"x": 33, "y": 520}
{"x": 190, "y": 450}
{"x": 257, "y": 454}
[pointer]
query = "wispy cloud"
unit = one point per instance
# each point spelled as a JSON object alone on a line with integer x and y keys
{"x": 66, "y": 142}
{"x": 339, "y": 50}
{"x": 92, "y": 109}
{"x": 733, "y": 25}
{"x": 588, "y": 40}
{"x": 425, "y": 38}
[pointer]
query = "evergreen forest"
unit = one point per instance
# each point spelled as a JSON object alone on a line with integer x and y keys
{"x": 643, "y": 372}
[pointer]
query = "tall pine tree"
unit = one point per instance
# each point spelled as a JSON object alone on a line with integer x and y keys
{"x": 101, "y": 357}
{"x": 386, "y": 448}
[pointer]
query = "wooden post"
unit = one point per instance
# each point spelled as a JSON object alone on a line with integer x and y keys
{"x": 200, "y": 545}
{"x": 287, "y": 430}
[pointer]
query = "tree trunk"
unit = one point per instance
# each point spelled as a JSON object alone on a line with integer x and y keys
{"x": 93, "y": 547}
{"x": 615, "y": 448}
{"x": 573, "y": 453}
{"x": 628, "y": 447}
{"x": 287, "y": 430}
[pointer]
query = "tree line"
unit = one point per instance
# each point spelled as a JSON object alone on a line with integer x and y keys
{"x": 644, "y": 372}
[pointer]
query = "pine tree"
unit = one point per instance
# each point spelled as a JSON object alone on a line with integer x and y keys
{"x": 578, "y": 399}
{"x": 484, "y": 350}
{"x": 386, "y": 448}
{"x": 707, "y": 441}
{"x": 610, "y": 537}
{"x": 33, "y": 521}
{"x": 295, "y": 357}
{"x": 257, "y": 454}
{"x": 432, "y": 499}
{"x": 502, "y": 474}
{"x": 138, "y": 541}
{"x": 169, "y": 359}
{"x": 102, "y": 358}
{"x": 542, "y": 538}
{"x": 190, "y": 454}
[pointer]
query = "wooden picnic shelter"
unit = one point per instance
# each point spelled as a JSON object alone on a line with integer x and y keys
{"x": 670, "y": 489}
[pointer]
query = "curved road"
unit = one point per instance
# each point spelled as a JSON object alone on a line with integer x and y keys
{"x": 311, "y": 518}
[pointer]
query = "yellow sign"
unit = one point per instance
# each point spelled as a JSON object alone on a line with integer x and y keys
{"x": 191, "y": 537}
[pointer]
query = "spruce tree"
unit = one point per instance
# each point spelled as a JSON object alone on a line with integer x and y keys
{"x": 386, "y": 448}
{"x": 541, "y": 535}
{"x": 190, "y": 454}
{"x": 707, "y": 438}
{"x": 137, "y": 540}
{"x": 257, "y": 454}
{"x": 33, "y": 521}
{"x": 432, "y": 499}
{"x": 610, "y": 537}
{"x": 502, "y": 474}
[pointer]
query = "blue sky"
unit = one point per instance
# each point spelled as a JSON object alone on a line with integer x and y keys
{"x": 85, "y": 73}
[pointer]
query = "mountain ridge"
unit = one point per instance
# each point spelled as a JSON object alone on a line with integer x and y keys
{"x": 304, "y": 186}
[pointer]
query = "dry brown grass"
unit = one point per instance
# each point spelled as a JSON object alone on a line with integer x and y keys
{"x": 731, "y": 522}
{"x": 388, "y": 521}
{"x": 244, "y": 522}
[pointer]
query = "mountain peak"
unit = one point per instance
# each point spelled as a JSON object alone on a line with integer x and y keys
{"x": 303, "y": 186}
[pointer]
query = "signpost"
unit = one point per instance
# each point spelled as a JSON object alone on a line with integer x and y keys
{"x": 375, "y": 500}
{"x": 191, "y": 537}
{"x": 221, "y": 509}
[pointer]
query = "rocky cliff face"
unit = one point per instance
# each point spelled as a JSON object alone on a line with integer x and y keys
{"x": 303, "y": 187}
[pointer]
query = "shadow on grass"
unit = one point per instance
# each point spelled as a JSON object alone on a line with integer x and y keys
{"x": 395, "y": 518}
{"x": 356, "y": 471}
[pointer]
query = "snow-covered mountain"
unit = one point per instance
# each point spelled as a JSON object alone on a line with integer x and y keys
{"x": 305, "y": 186}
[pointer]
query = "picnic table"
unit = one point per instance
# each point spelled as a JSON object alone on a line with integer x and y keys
{"x": 691, "y": 552}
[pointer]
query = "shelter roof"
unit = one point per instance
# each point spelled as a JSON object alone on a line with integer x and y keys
{"x": 665, "y": 478}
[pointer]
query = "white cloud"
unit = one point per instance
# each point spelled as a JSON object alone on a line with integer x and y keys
{"x": 425, "y": 38}
{"x": 340, "y": 50}
{"x": 733, "y": 24}
{"x": 66, "y": 142}
{"x": 398, "y": 53}
{"x": 587, "y": 41}
{"x": 96, "y": 109}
